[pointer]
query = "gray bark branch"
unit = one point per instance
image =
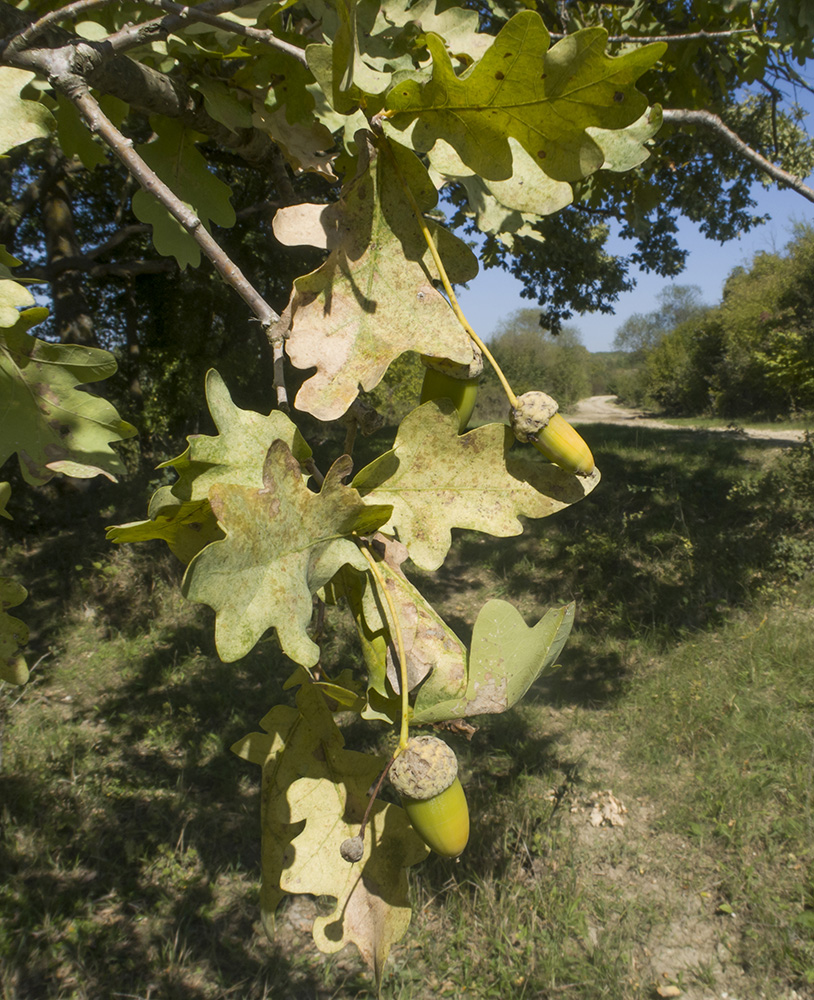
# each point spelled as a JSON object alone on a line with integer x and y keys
{"x": 710, "y": 121}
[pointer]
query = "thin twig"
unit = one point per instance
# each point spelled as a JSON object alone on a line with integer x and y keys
{"x": 137, "y": 34}
{"x": 372, "y": 799}
{"x": 23, "y": 39}
{"x": 710, "y": 121}
{"x": 690, "y": 36}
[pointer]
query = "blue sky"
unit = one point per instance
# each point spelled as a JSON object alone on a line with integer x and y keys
{"x": 494, "y": 293}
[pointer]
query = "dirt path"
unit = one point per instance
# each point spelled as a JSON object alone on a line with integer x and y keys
{"x": 605, "y": 410}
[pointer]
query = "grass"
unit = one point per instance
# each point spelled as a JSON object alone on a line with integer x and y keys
{"x": 802, "y": 423}
{"x": 129, "y": 835}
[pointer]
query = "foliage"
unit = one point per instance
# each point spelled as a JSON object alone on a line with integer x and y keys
{"x": 752, "y": 353}
{"x": 344, "y": 120}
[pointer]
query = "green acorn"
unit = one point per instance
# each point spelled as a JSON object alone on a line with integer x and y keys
{"x": 535, "y": 419}
{"x": 425, "y": 774}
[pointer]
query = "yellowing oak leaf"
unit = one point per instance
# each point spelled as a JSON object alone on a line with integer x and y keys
{"x": 13, "y": 633}
{"x": 314, "y": 794}
{"x": 372, "y": 900}
{"x": 186, "y": 526}
{"x": 438, "y": 480}
{"x": 180, "y": 514}
{"x": 373, "y": 298}
{"x": 545, "y": 99}
{"x": 282, "y": 544}
{"x": 51, "y": 425}
{"x": 237, "y": 453}
{"x": 429, "y": 643}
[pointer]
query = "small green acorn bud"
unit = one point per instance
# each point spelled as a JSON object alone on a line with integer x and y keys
{"x": 535, "y": 419}
{"x": 425, "y": 774}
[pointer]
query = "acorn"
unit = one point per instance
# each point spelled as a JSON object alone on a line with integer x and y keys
{"x": 444, "y": 379}
{"x": 425, "y": 774}
{"x": 535, "y": 419}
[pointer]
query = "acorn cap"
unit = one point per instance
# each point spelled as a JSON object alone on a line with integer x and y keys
{"x": 425, "y": 768}
{"x": 454, "y": 370}
{"x": 531, "y": 415}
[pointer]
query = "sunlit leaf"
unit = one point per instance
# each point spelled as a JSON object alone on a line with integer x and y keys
{"x": 282, "y": 544}
{"x": 505, "y": 659}
{"x": 373, "y": 298}
{"x": 438, "y": 480}
{"x": 20, "y": 120}
{"x": 519, "y": 89}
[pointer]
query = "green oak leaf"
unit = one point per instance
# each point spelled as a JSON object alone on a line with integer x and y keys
{"x": 222, "y": 103}
{"x": 75, "y": 138}
{"x": 438, "y": 480}
{"x": 13, "y": 633}
{"x": 506, "y": 206}
{"x": 237, "y": 453}
{"x": 625, "y": 148}
{"x": 314, "y": 794}
{"x": 457, "y": 26}
{"x": 374, "y": 297}
{"x": 545, "y": 99}
{"x": 52, "y": 425}
{"x": 20, "y": 120}
{"x": 340, "y": 66}
{"x": 13, "y": 298}
{"x": 282, "y": 544}
{"x": 7, "y": 261}
{"x": 505, "y": 659}
{"x": 186, "y": 526}
{"x": 174, "y": 157}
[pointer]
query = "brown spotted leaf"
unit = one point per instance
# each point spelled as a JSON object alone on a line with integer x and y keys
{"x": 374, "y": 297}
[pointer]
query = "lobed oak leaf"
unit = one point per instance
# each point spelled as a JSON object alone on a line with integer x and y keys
{"x": 237, "y": 453}
{"x": 282, "y": 544}
{"x": 174, "y": 157}
{"x": 314, "y": 793}
{"x": 374, "y": 297}
{"x": 44, "y": 418}
{"x": 545, "y": 99}
{"x": 186, "y": 526}
{"x": 437, "y": 480}
{"x": 506, "y": 658}
{"x": 372, "y": 895}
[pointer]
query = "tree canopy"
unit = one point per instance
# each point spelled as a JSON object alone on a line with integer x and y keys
{"x": 265, "y": 187}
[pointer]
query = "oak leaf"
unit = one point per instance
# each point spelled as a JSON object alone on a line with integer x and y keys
{"x": 283, "y": 543}
{"x": 437, "y": 480}
{"x": 374, "y": 297}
